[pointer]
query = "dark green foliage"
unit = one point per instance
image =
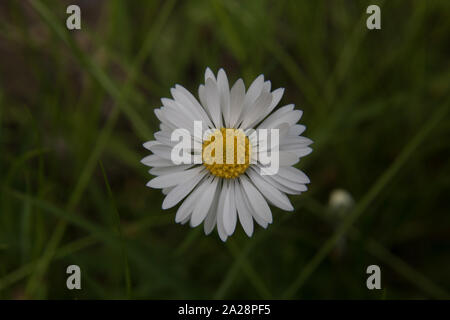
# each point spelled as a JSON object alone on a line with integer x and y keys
{"x": 375, "y": 103}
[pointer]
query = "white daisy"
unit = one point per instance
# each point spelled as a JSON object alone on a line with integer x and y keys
{"x": 216, "y": 193}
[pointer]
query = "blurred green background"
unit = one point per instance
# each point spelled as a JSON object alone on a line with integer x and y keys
{"x": 375, "y": 103}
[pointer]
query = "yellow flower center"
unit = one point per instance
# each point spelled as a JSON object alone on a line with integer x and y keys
{"x": 226, "y": 154}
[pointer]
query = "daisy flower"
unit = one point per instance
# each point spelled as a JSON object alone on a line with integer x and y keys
{"x": 220, "y": 193}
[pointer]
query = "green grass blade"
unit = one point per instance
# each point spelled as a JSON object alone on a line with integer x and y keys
{"x": 119, "y": 230}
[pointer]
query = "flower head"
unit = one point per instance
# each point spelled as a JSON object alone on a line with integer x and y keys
{"x": 228, "y": 155}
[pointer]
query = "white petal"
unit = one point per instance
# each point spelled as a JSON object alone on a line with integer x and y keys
{"x": 284, "y": 158}
{"x": 158, "y": 171}
{"x": 164, "y": 122}
{"x": 213, "y": 102}
{"x": 204, "y": 204}
{"x": 211, "y": 218}
{"x": 175, "y": 178}
{"x": 264, "y": 143}
{"x": 287, "y": 158}
{"x": 252, "y": 94}
{"x": 181, "y": 191}
{"x": 230, "y": 215}
{"x": 165, "y": 191}
{"x": 255, "y": 112}
{"x": 237, "y": 95}
{"x": 162, "y": 151}
{"x": 163, "y": 137}
{"x": 185, "y": 210}
{"x": 245, "y": 215}
{"x": 296, "y": 130}
{"x": 209, "y": 75}
{"x": 149, "y": 144}
{"x": 296, "y": 142}
{"x": 281, "y": 186}
{"x": 291, "y": 118}
{"x": 202, "y": 97}
{"x": 254, "y": 90}
{"x": 165, "y": 127}
{"x": 185, "y": 220}
{"x": 257, "y": 202}
{"x": 183, "y": 108}
{"x": 300, "y": 152}
{"x": 186, "y": 98}
{"x": 224, "y": 89}
{"x": 276, "y": 197}
{"x": 299, "y": 187}
{"x": 276, "y": 97}
{"x": 178, "y": 119}
{"x": 293, "y": 174}
{"x": 155, "y": 161}
{"x": 250, "y": 209}
{"x": 220, "y": 211}
{"x": 276, "y": 115}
